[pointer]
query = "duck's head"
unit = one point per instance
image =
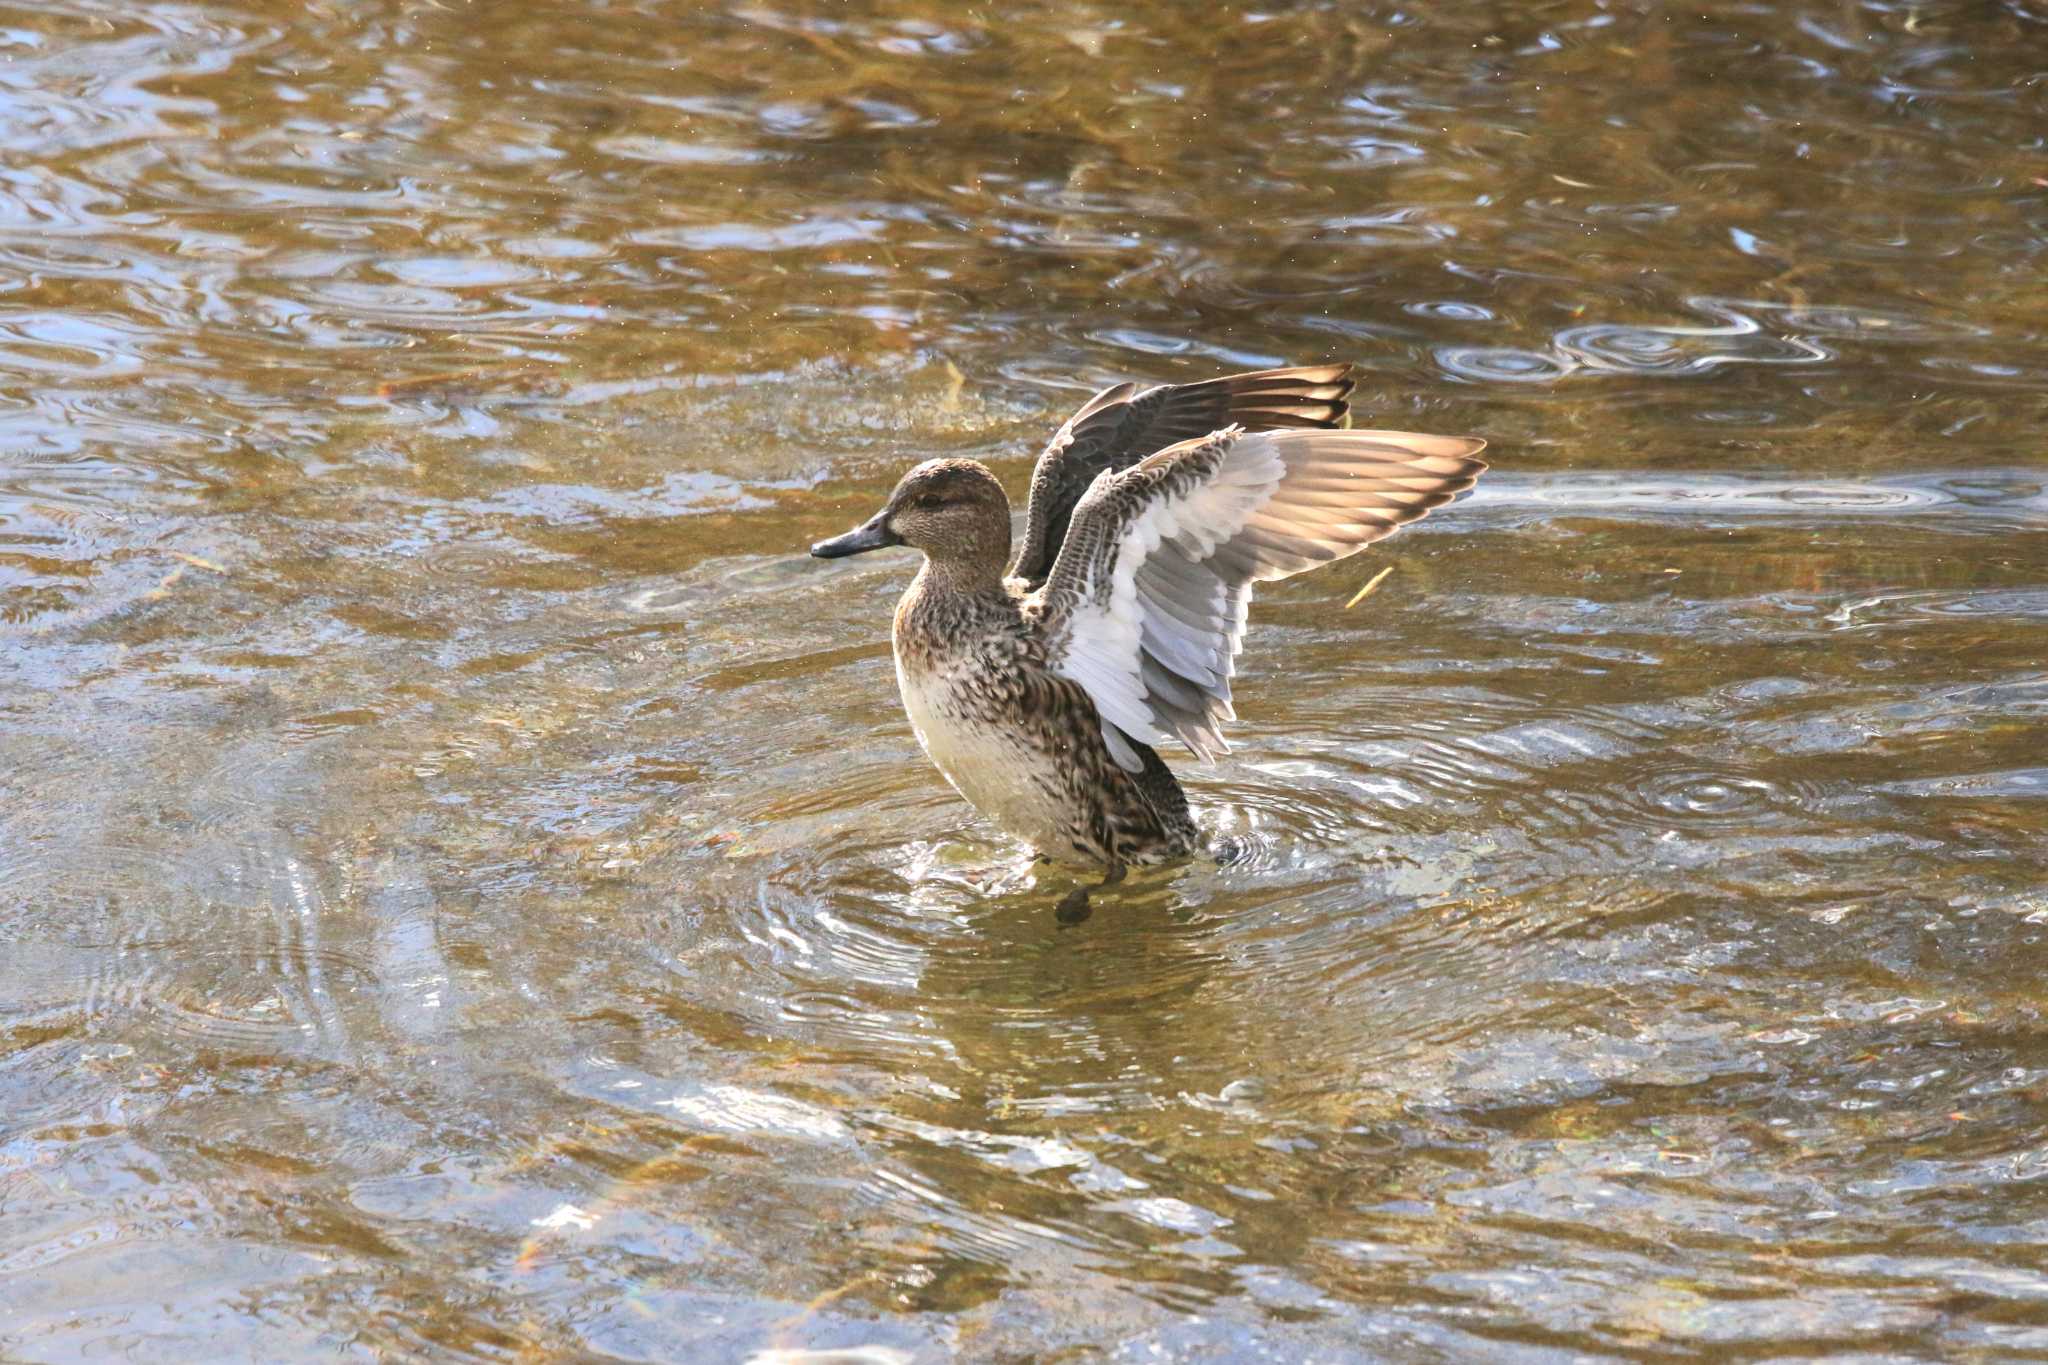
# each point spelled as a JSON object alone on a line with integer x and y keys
{"x": 953, "y": 510}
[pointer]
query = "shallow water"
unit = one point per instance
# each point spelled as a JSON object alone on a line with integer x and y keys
{"x": 467, "y": 887}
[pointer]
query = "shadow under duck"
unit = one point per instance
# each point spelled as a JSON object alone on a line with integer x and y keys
{"x": 1039, "y": 686}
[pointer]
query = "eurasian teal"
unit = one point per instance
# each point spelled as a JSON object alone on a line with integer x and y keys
{"x": 1039, "y": 686}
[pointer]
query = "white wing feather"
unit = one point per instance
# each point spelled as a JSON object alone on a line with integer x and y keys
{"x": 1146, "y": 603}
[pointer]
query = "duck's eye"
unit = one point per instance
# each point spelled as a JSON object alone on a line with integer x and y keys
{"x": 929, "y": 501}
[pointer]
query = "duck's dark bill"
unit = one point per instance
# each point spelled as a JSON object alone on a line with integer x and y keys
{"x": 874, "y": 535}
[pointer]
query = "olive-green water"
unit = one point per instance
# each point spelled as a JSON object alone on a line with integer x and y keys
{"x": 468, "y": 889}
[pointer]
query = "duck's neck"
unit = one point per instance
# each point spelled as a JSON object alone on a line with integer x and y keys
{"x": 948, "y": 612}
{"x": 963, "y": 574}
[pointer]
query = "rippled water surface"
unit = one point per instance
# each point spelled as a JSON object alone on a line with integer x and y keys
{"x": 468, "y": 889}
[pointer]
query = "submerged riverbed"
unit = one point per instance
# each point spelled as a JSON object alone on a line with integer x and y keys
{"x": 468, "y": 889}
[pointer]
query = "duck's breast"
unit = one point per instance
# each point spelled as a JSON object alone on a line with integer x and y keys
{"x": 991, "y": 756}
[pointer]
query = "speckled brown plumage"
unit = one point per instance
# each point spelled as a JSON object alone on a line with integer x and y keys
{"x": 988, "y": 647}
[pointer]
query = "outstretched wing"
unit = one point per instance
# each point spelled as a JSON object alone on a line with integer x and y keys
{"x": 1145, "y": 605}
{"x": 1121, "y": 426}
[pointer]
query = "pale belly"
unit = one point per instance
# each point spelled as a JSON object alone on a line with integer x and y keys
{"x": 1006, "y": 778}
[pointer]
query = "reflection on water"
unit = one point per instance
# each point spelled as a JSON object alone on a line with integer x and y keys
{"x": 467, "y": 888}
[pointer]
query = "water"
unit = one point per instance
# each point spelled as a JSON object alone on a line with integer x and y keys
{"x": 468, "y": 890}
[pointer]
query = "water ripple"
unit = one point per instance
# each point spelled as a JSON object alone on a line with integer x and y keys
{"x": 444, "y": 811}
{"x": 1986, "y": 499}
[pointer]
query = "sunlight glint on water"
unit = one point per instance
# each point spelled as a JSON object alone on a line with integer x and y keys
{"x": 470, "y": 890}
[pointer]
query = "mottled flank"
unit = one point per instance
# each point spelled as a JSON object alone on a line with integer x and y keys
{"x": 1040, "y": 692}
{"x": 1018, "y": 740}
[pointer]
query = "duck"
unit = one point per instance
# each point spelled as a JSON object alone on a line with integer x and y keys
{"x": 1042, "y": 683}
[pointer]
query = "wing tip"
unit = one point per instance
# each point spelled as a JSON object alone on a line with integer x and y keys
{"x": 1423, "y": 451}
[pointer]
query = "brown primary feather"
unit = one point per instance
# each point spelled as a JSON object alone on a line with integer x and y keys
{"x": 1121, "y": 425}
